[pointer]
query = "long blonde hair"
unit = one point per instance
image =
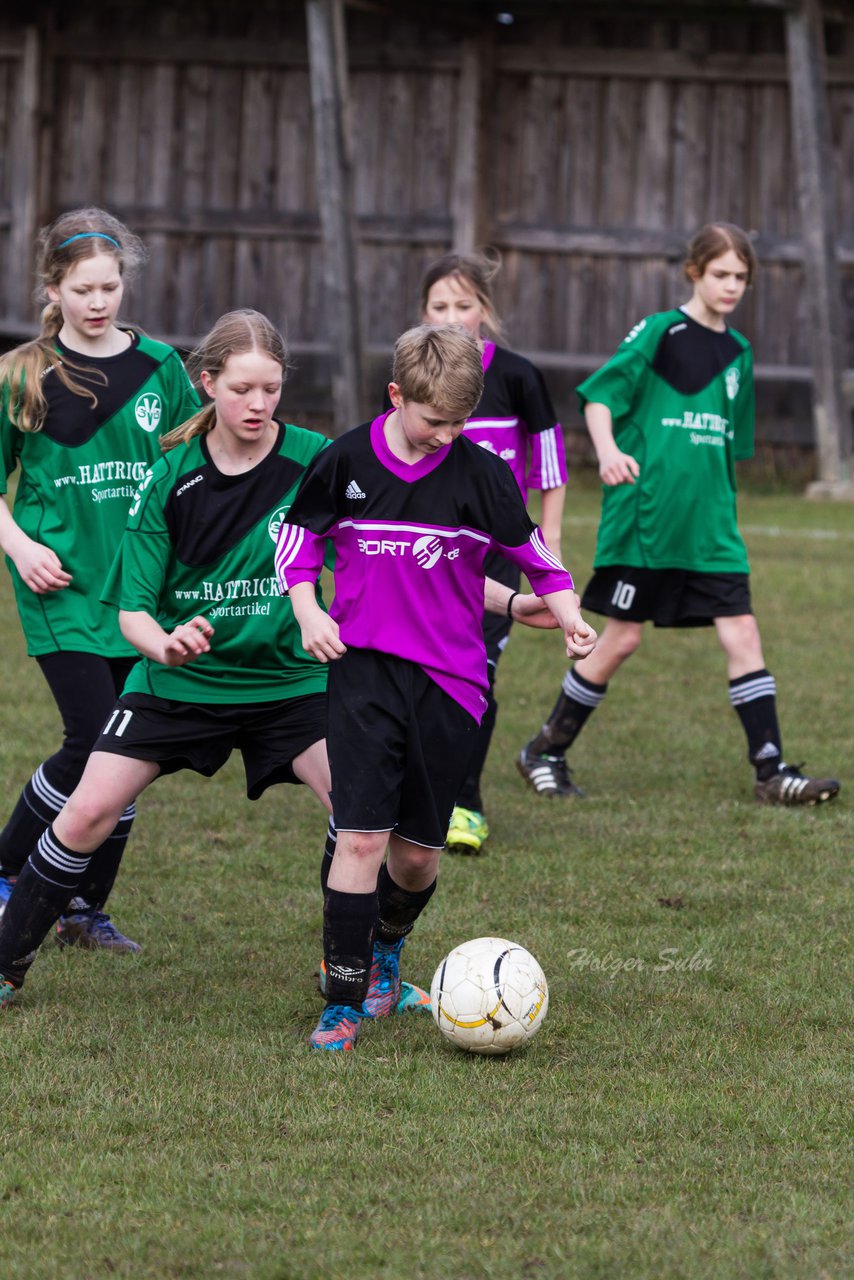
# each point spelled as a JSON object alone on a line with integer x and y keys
{"x": 71, "y": 238}
{"x": 233, "y": 334}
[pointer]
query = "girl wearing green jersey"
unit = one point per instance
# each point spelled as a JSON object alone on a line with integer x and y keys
{"x": 195, "y": 586}
{"x": 669, "y": 415}
{"x": 81, "y": 412}
{"x": 223, "y": 663}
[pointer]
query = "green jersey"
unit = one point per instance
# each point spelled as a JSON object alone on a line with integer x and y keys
{"x": 681, "y": 399}
{"x": 200, "y": 542}
{"x": 78, "y": 476}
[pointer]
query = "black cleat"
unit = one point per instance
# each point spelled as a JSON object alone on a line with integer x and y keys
{"x": 789, "y": 786}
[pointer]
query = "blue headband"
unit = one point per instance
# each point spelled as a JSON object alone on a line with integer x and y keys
{"x": 87, "y": 235}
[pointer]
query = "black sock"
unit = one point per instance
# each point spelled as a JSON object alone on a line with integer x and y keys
{"x": 470, "y": 796}
{"x": 349, "y": 922}
{"x": 38, "y": 804}
{"x": 41, "y": 892}
{"x": 754, "y": 700}
{"x": 398, "y": 908}
{"x": 95, "y": 887}
{"x": 577, "y": 700}
{"x": 328, "y": 854}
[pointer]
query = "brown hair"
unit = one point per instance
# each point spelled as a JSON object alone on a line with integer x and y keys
{"x": 233, "y": 334}
{"x": 477, "y": 270}
{"x": 439, "y": 365}
{"x": 73, "y": 237}
{"x": 714, "y": 240}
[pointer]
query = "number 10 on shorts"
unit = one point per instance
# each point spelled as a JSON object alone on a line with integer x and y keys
{"x": 624, "y": 594}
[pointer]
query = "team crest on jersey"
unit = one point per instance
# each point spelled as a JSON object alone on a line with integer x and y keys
{"x": 277, "y": 519}
{"x": 148, "y": 410}
{"x": 732, "y": 380}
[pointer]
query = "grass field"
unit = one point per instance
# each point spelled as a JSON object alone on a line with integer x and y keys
{"x": 685, "y": 1110}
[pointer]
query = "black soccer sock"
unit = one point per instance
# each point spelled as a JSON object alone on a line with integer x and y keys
{"x": 577, "y": 700}
{"x": 398, "y": 908}
{"x": 95, "y": 887}
{"x": 470, "y": 794}
{"x": 349, "y": 922}
{"x": 754, "y": 700}
{"x": 38, "y": 804}
{"x": 42, "y": 890}
{"x": 328, "y": 854}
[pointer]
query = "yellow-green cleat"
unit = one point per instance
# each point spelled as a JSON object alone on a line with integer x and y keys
{"x": 467, "y": 833}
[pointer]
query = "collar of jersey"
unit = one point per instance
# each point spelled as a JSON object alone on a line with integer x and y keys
{"x": 409, "y": 471}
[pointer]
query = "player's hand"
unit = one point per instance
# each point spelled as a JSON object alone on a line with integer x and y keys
{"x": 187, "y": 641}
{"x": 40, "y": 568}
{"x": 580, "y": 638}
{"x": 320, "y": 638}
{"x": 531, "y": 612}
{"x": 616, "y": 467}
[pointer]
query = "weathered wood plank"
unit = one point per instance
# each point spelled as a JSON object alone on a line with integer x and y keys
{"x": 326, "y": 39}
{"x": 815, "y": 172}
{"x": 22, "y": 175}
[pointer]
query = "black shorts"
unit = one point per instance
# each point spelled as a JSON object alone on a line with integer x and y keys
{"x": 399, "y": 747}
{"x": 667, "y": 597}
{"x": 201, "y": 736}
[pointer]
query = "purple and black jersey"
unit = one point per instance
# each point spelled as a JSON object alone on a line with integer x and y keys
{"x": 515, "y": 419}
{"x": 410, "y": 542}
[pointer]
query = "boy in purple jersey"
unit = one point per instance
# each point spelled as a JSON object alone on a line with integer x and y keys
{"x": 516, "y": 420}
{"x": 412, "y": 509}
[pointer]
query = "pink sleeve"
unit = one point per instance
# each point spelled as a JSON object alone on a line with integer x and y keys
{"x": 547, "y": 468}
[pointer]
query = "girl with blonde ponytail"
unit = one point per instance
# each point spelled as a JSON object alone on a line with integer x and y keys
{"x": 82, "y": 407}
{"x": 223, "y": 667}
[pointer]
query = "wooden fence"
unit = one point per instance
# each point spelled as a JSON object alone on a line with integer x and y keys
{"x": 584, "y": 142}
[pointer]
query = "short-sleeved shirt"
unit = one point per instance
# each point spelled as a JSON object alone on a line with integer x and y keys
{"x": 410, "y": 542}
{"x": 516, "y": 420}
{"x": 78, "y": 476}
{"x": 200, "y": 542}
{"x": 681, "y": 398}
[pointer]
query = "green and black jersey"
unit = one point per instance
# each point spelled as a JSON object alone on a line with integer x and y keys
{"x": 78, "y": 477}
{"x": 681, "y": 398}
{"x": 199, "y": 542}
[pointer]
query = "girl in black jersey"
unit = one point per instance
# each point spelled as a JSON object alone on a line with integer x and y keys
{"x": 514, "y": 419}
{"x": 81, "y": 411}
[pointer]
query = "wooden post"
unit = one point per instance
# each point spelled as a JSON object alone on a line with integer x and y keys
{"x": 810, "y": 127}
{"x": 24, "y": 168}
{"x": 328, "y": 73}
{"x": 465, "y": 191}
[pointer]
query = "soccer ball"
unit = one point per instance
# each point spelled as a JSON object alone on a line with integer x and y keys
{"x": 489, "y": 996}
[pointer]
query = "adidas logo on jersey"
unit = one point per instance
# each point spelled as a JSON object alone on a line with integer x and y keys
{"x": 353, "y": 491}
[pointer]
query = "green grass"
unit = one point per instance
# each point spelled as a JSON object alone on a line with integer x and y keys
{"x": 163, "y": 1117}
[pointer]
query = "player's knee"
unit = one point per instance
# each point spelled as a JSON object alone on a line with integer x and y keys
{"x": 740, "y": 637}
{"x": 362, "y": 844}
{"x": 417, "y": 860}
{"x": 625, "y": 640}
{"x": 87, "y": 820}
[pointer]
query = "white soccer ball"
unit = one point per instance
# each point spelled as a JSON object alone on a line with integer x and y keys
{"x": 489, "y": 996}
